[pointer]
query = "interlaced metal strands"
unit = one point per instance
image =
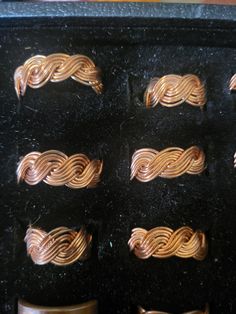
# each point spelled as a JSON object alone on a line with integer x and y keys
{"x": 55, "y": 168}
{"x": 148, "y": 164}
{"x": 163, "y": 242}
{"x": 61, "y": 246}
{"x": 232, "y": 84}
{"x": 38, "y": 70}
{"x": 172, "y": 90}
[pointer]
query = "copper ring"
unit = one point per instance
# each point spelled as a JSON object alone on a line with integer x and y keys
{"x": 163, "y": 242}
{"x": 142, "y": 311}
{"x": 55, "y": 168}
{"x": 61, "y": 246}
{"x": 172, "y": 90}
{"x": 89, "y": 307}
{"x": 232, "y": 83}
{"x": 147, "y": 163}
{"x": 57, "y": 67}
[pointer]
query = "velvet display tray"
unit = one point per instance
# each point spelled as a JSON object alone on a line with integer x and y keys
{"x": 131, "y": 43}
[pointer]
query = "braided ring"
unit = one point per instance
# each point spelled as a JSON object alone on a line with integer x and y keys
{"x": 57, "y": 67}
{"x": 235, "y": 160}
{"x": 61, "y": 246}
{"x": 57, "y": 169}
{"x": 163, "y": 242}
{"x": 142, "y": 311}
{"x": 147, "y": 163}
{"x": 232, "y": 84}
{"x": 172, "y": 90}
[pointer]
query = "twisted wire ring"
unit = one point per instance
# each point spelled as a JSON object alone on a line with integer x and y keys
{"x": 55, "y": 168}
{"x": 232, "y": 83}
{"x": 61, "y": 246}
{"x": 163, "y": 242}
{"x": 142, "y": 311}
{"x": 57, "y": 67}
{"x": 172, "y": 90}
{"x": 172, "y": 162}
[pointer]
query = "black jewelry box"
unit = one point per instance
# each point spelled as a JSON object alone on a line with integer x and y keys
{"x": 131, "y": 42}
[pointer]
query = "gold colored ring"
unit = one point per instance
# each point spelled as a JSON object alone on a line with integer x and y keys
{"x": 89, "y": 307}
{"x": 172, "y": 90}
{"x": 142, "y": 311}
{"x": 163, "y": 242}
{"x": 148, "y": 164}
{"x": 57, "y": 67}
{"x": 55, "y": 168}
{"x": 61, "y": 246}
{"x": 232, "y": 83}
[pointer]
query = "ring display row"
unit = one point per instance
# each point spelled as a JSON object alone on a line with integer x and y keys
{"x": 90, "y": 307}
{"x": 170, "y": 90}
{"x": 63, "y": 246}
